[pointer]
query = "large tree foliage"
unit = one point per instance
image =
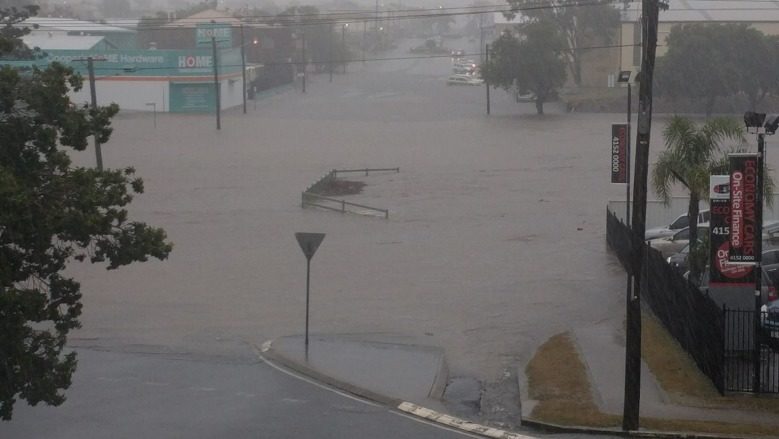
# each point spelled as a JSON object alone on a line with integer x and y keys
{"x": 705, "y": 62}
{"x": 323, "y": 44}
{"x": 692, "y": 154}
{"x": 531, "y": 63}
{"x": 51, "y": 213}
{"x": 581, "y": 24}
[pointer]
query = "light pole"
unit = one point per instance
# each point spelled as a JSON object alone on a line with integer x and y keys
{"x": 218, "y": 102}
{"x": 762, "y": 125}
{"x": 254, "y": 42}
{"x": 343, "y": 43}
{"x": 154, "y": 109}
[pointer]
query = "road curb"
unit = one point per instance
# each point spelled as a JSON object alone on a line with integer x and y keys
{"x": 557, "y": 428}
{"x": 267, "y": 352}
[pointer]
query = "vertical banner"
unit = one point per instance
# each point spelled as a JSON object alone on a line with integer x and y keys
{"x": 721, "y": 271}
{"x": 619, "y": 162}
{"x": 744, "y": 227}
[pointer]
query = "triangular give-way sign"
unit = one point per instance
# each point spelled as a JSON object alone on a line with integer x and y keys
{"x": 309, "y": 242}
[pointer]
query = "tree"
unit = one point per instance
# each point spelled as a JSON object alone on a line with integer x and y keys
{"x": 698, "y": 64}
{"x": 51, "y": 214}
{"x": 531, "y": 63}
{"x": 692, "y": 154}
{"x": 581, "y": 25}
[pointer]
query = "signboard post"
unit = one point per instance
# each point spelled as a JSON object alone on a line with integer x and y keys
{"x": 309, "y": 243}
{"x": 221, "y": 32}
{"x": 744, "y": 209}
{"x": 720, "y": 270}
{"x": 619, "y": 151}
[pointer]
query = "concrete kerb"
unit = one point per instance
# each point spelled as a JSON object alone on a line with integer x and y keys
{"x": 556, "y": 428}
{"x": 267, "y": 353}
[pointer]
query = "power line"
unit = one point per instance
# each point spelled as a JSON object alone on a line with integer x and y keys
{"x": 335, "y": 61}
{"x": 339, "y": 19}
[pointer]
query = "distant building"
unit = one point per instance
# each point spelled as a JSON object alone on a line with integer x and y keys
{"x": 759, "y": 14}
{"x": 62, "y": 32}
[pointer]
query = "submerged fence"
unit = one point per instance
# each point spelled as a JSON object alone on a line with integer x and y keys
{"x": 692, "y": 318}
{"x": 312, "y": 195}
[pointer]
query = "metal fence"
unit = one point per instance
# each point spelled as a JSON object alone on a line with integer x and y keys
{"x": 751, "y": 351}
{"x": 312, "y": 197}
{"x": 693, "y": 319}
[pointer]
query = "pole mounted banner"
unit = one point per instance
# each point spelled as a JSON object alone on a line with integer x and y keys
{"x": 744, "y": 227}
{"x": 722, "y": 271}
{"x": 619, "y": 148}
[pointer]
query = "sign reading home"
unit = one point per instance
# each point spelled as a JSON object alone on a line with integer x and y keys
{"x": 744, "y": 210}
{"x": 619, "y": 152}
{"x": 221, "y": 33}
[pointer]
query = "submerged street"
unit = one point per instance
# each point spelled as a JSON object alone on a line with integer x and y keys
{"x": 495, "y": 242}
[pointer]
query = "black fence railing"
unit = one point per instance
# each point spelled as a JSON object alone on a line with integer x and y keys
{"x": 751, "y": 364}
{"x": 693, "y": 319}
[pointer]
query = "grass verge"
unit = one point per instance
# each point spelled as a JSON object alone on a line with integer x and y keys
{"x": 557, "y": 379}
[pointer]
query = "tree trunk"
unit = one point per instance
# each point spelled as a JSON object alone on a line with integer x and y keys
{"x": 692, "y": 214}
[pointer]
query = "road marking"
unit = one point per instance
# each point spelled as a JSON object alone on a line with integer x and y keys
{"x": 312, "y": 382}
{"x": 457, "y": 423}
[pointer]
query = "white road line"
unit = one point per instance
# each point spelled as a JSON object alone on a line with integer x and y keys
{"x": 312, "y": 382}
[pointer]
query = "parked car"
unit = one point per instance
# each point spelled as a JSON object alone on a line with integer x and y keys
{"x": 670, "y": 245}
{"x": 769, "y": 323}
{"x": 737, "y": 296}
{"x": 678, "y": 261}
{"x": 463, "y": 80}
{"x": 679, "y": 223}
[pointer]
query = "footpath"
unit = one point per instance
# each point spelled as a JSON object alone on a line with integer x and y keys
{"x": 413, "y": 378}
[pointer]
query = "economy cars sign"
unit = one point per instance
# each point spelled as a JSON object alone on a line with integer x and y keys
{"x": 722, "y": 271}
{"x": 744, "y": 209}
{"x": 619, "y": 153}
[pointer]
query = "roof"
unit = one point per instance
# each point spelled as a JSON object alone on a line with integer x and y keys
{"x": 686, "y": 11}
{"x": 207, "y": 16}
{"x": 71, "y": 25}
{"x": 61, "y": 42}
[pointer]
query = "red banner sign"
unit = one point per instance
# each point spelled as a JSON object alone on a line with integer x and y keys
{"x": 619, "y": 153}
{"x": 744, "y": 227}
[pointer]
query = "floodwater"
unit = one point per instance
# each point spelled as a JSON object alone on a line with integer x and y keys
{"x": 495, "y": 239}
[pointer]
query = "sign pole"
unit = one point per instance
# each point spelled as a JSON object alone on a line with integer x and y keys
{"x": 309, "y": 243}
{"x": 486, "y": 84}
{"x": 308, "y": 296}
{"x": 216, "y": 83}
{"x": 91, "y": 69}
{"x": 758, "y": 257}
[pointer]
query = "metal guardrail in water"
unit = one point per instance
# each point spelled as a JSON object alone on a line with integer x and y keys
{"x": 310, "y": 198}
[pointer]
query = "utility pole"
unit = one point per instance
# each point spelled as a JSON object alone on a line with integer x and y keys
{"x": 364, "y": 29}
{"x": 343, "y": 43}
{"x": 330, "y": 53}
{"x": 305, "y": 64}
{"x": 93, "y": 92}
{"x": 216, "y": 84}
{"x": 487, "y": 85}
{"x": 243, "y": 69}
{"x": 630, "y": 417}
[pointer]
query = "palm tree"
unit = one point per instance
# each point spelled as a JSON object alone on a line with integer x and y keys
{"x": 692, "y": 153}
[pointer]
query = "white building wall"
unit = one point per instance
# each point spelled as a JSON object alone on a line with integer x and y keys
{"x": 231, "y": 92}
{"x": 130, "y": 95}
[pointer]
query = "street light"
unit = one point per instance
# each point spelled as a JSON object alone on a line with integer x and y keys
{"x": 254, "y": 41}
{"x": 343, "y": 43}
{"x": 761, "y": 124}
